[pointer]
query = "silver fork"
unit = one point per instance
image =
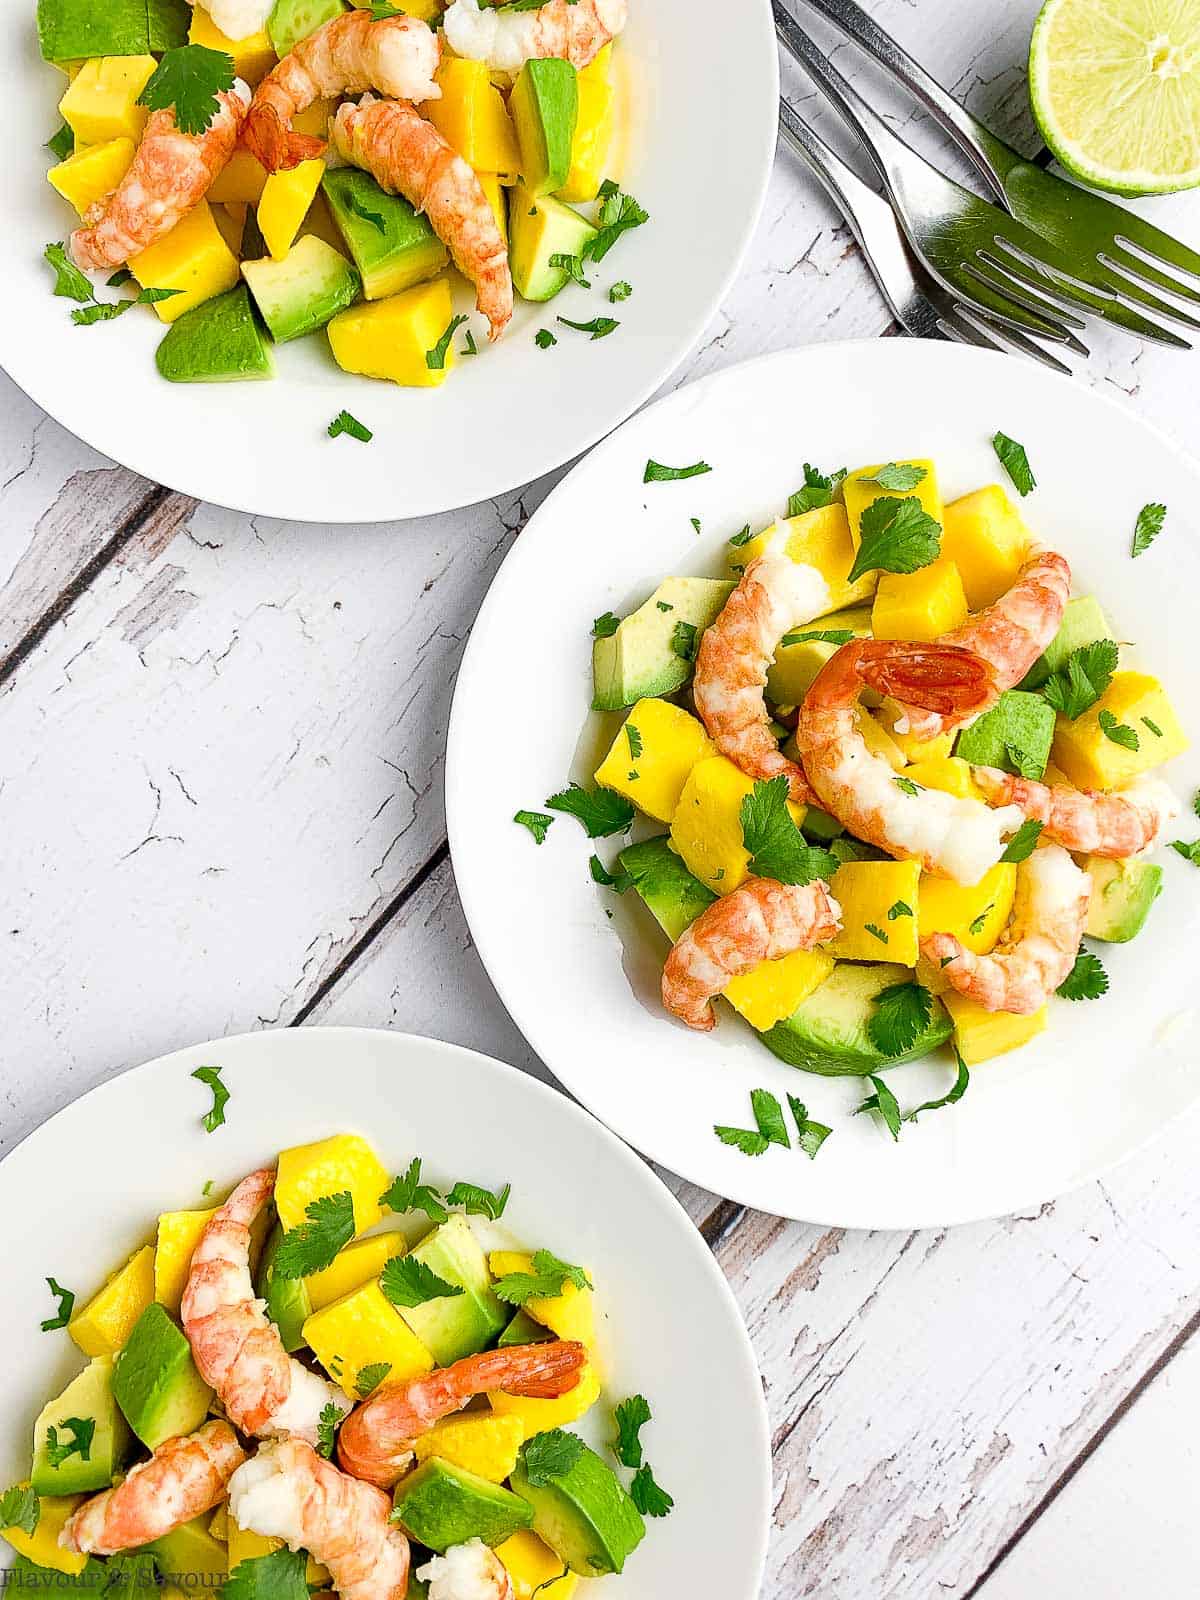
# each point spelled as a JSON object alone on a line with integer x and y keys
{"x": 982, "y": 254}
{"x": 919, "y": 304}
{"x": 1072, "y": 217}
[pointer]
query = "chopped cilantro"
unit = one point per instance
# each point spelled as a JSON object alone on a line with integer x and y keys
{"x": 1148, "y": 526}
{"x": 685, "y": 640}
{"x": 405, "y": 1281}
{"x": 278, "y": 1576}
{"x": 537, "y": 822}
{"x": 620, "y": 291}
{"x": 188, "y": 80}
{"x": 408, "y": 1193}
{"x": 976, "y": 924}
{"x": 620, "y": 881}
{"x": 550, "y": 1455}
{"x": 1083, "y": 678}
{"x": 899, "y": 908}
{"x": 1119, "y": 732}
{"x": 82, "y": 1431}
{"x": 479, "y": 1202}
{"x": 345, "y": 423}
{"x": 770, "y": 1127}
{"x": 899, "y": 479}
{"x": 695, "y": 522}
{"x": 618, "y": 213}
{"x": 545, "y": 1281}
{"x": 327, "y": 1426}
{"x": 598, "y": 327}
{"x": 1087, "y": 979}
{"x": 635, "y": 740}
{"x": 354, "y": 204}
{"x": 834, "y": 636}
{"x": 950, "y": 1098}
{"x": 896, "y": 536}
{"x": 543, "y": 338}
{"x": 883, "y": 1101}
{"x": 1189, "y": 852}
{"x": 741, "y": 537}
{"x": 66, "y": 1304}
{"x": 119, "y": 279}
{"x": 664, "y": 605}
{"x": 656, "y": 473}
{"x": 211, "y": 1078}
{"x": 21, "y": 1508}
{"x": 651, "y": 1499}
{"x": 605, "y": 626}
{"x": 435, "y": 359}
{"x": 1153, "y": 726}
{"x": 601, "y": 811}
{"x": 470, "y": 348}
{"x": 370, "y": 1377}
{"x": 902, "y": 1013}
{"x": 906, "y": 785}
{"x": 819, "y": 490}
{"x": 572, "y": 266}
{"x": 1024, "y": 842}
{"x": 777, "y": 847}
{"x": 631, "y": 1417}
{"x": 68, "y": 280}
{"x": 63, "y": 143}
{"x": 810, "y": 1135}
{"x": 877, "y": 933}
{"x": 1015, "y": 462}
{"x": 313, "y": 1245}
{"x": 748, "y": 1140}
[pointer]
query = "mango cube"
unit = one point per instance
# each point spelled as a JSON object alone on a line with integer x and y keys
{"x": 361, "y": 1329}
{"x": 533, "y": 1567}
{"x": 472, "y": 118}
{"x": 890, "y": 713}
{"x": 92, "y": 174}
{"x": 776, "y": 988}
{"x": 795, "y": 667}
{"x": 951, "y": 774}
{"x": 193, "y": 258}
{"x": 101, "y": 101}
{"x": 357, "y": 1264}
{"x": 591, "y": 142}
{"x": 178, "y": 1235}
{"x": 878, "y": 740}
{"x": 390, "y": 338}
{"x": 568, "y": 1314}
{"x": 247, "y": 1546}
{"x": 42, "y": 1546}
{"x": 599, "y": 68}
{"x": 880, "y": 907}
{"x": 982, "y": 533}
{"x": 976, "y": 915}
{"x": 860, "y": 490}
{"x": 482, "y": 1442}
{"x": 706, "y": 829}
{"x": 253, "y": 56}
{"x": 105, "y": 1323}
{"x": 819, "y": 538}
{"x": 981, "y": 1035}
{"x": 284, "y": 204}
{"x": 669, "y": 743}
{"x": 919, "y": 605}
{"x": 491, "y": 185}
{"x": 240, "y": 181}
{"x": 539, "y": 1416}
{"x": 1092, "y": 760}
{"x": 309, "y": 1172}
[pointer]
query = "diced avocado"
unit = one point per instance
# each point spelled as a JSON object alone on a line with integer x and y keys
{"x": 1122, "y": 894}
{"x": 218, "y": 341}
{"x": 441, "y": 1504}
{"x": 288, "y": 1302}
{"x": 392, "y": 247}
{"x": 155, "y": 1381}
{"x": 87, "y": 1398}
{"x": 190, "y": 1559}
{"x": 1018, "y": 725}
{"x": 293, "y": 20}
{"x": 545, "y": 108}
{"x": 458, "y": 1325}
{"x": 524, "y": 1330}
{"x": 1083, "y": 622}
{"x": 72, "y": 30}
{"x": 584, "y": 1515}
{"x": 302, "y": 292}
{"x": 539, "y": 228}
{"x": 793, "y": 671}
{"x": 828, "y": 1033}
{"x": 417, "y": 1588}
{"x": 669, "y": 891}
{"x": 643, "y": 658}
{"x": 820, "y": 826}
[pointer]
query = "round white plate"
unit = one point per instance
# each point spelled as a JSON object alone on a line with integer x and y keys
{"x": 505, "y": 416}
{"x": 91, "y": 1182}
{"x": 583, "y": 985}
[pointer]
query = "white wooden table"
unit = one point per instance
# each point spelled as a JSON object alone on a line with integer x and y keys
{"x": 221, "y": 753}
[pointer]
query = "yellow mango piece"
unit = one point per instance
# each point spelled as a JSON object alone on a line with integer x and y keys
{"x": 669, "y": 742}
{"x": 106, "y": 1322}
{"x": 878, "y": 740}
{"x": 253, "y": 56}
{"x": 361, "y": 1329}
{"x": 880, "y": 908}
{"x": 983, "y": 535}
{"x": 319, "y": 222}
{"x": 284, "y": 205}
{"x": 591, "y": 142}
{"x": 706, "y": 829}
{"x": 390, "y": 338}
{"x": 569, "y": 1314}
{"x": 42, "y": 1546}
{"x": 599, "y": 68}
{"x": 308, "y": 1172}
{"x": 795, "y": 667}
{"x": 1091, "y": 760}
{"x": 481, "y": 1442}
{"x": 192, "y": 258}
{"x": 537, "y": 1416}
{"x": 178, "y": 1235}
{"x": 949, "y": 773}
{"x": 423, "y": 10}
{"x": 773, "y": 990}
{"x": 919, "y": 605}
{"x": 859, "y": 490}
{"x": 472, "y": 117}
{"x": 891, "y": 712}
{"x": 247, "y": 1546}
{"x": 93, "y": 173}
{"x": 975, "y": 915}
{"x": 101, "y": 101}
{"x": 490, "y": 183}
{"x": 357, "y": 1264}
{"x": 218, "y": 1527}
{"x": 242, "y": 179}
{"x": 981, "y": 1034}
{"x": 532, "y": 1566}
{"x": 820, "y": 539}
{"x": 231, "y": 226}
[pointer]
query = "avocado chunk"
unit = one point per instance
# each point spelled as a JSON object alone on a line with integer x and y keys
{"x": 71, "y": 30}
{"x": 545, "y": 108}
{"x": 87, "y": 1398}
{"x": 584, "y": 1515}
{"x": 293, "y": 20}
{"x": 1019, "y": 726}
{"x": 524, "y": 1330}
{"x": 1083, "y": 622}
{"x": 155, "y": 1381}
{"x": 289, "y": 1304}
{"x": 441, "y": 1504}
{"x": 668, "y": 890}
{"x": 642, "y": 659}
{"x": 189, "y": 1558}
{"x": 218, "y": 341}
{"x": 459, "y": 1325}
{"x": 1122, "y": 894}
{"x": 538, "y": 229}
{"x": 819, "y": 826}
{"x": 392, "y": 247}
{"x": 828, "y": 1034}
{"x": 304, "y": 291}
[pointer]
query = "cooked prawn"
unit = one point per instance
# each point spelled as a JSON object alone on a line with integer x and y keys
{"x": 237, "y": 1349}
{"x": 467, "y": 1572}
{"x": 287, "y": 1491}
{"x": 1124, "y": 823}
{"x": 169, "y": 176}
{"x": 1039, "y": 946}
{"x": 397, "y": 56}
{"x": 574, "y": 30}
{"x": 773, "y": 596}
{"x": 960, "y": 838}
{"x": 760, "y": 921}
{"x": 376, "y": 1439}
{"x": 184, "y": 1478}
{"x": 404, "y": 153}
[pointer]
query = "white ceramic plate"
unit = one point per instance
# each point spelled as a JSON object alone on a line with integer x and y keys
{"x": 97, "y": 1175}
{"x": 504, "y": 417}
{"x": 584, "y": 988}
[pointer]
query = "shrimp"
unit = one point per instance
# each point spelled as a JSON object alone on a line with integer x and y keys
{"x": 1039, "y": 946}
{"x": 1009, "y": 635}
{"x": 404, "y": 153}
{"x": 398, "y": 56}
{"x": 237, "y": 1349}
{"x": 960, "y": 838}
{"x": 760, "y": 921}
{"x": 467, "y": 1572}
{"x": 287, "y": 1491}
{"x": 169, "y": 176}
{"x": 574, "y": 30}
{"x": 774, "y": 595}
{"x": 184, "y": 1478}
{"x": 1125, "y": 823}
{"x": 376, "y": 1440}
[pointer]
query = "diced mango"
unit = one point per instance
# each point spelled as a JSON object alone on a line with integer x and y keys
{"x": 314, "y": 119}
{"x": 178, "y": 1235}
{"x": 423, "y": 10}
{"x": 357, "y": 1264}
{"x": 533, "y": 1566}
{"x": 231, "y": 224}
{"x": 880, "y": 908}
{"x": 42, "y": 1546}
{"x": 860, "y": 490}
{"x": 570, "y": 1314}
{"x": 975, "y": 915}
{"x": 390, "y": 338}
{"x": 319, "y": 222}
{"x": 247, "y": 1546}
{"x": 490, "y": 183}
{"x": 919, "y": 605}
{"x": 309, "y": 1172}
{"x": 792, "y": 673}
{"x": 890, "y": 713}
{"x": 774, "y": 990}
{"x": 101, "y": 101}
{"x": 669, "y": 743}
{"x": 242, "y": 179}
{"x": 93, "y": 173}
{"x": 949, "y": 773}
{"x": 878, "y": 740}
{"x": 819, "y": 538}
{"x": 362, "y": 1329}
{"x": 284, "y": 205}
{"x": 253, "y": 56}
{"x": 982, "y": 533}
{"x": 482, "y": 1442}
{"x": 106, "y": 1322}
{"x": 192, "y": 258}
{"x": 538, "y": 1416}
{"x": 1092, "y": 760}
{"x": 981, "y": 1034}
{"x": 472, "y": 117}
{"x": 599, "y": 68}
{"x": 707, "y": 826}
{"x": 591, "y": 142}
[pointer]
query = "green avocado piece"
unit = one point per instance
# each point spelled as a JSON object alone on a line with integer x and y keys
{"x": 155, "y": 1381}
{"x": 1083, "y": 622}
{"x": 189, "y": 1558}
{"x": 1122, "y": 894}
{"x": 819, "y": 826}
{"x": 668, "y": 890}
{"x": 524, "y": 1330}
{"x": 293, "y": 20}
{"x": 289, "y": 1304}
{"x": 218, "y": 341}
{"x": 1018, "y": 724}
{"x": 462, "y": 1324}
{"x": 640, "y": 660}
{"x": 794, "y": 669}
{"x": 417, "y": 1588}
{"x": 304, "y": 291}
{"x": 390, "y": 244}
{"x": 828, "y": 1034}
{"x": 539, "y": 228}
{"x": 441, "y": 1504}
{"x": 545, "y": 108}
{"x": 89, "y": 1397}
{"x": 70, "y": 30}
{"x": 583, "y": 1514}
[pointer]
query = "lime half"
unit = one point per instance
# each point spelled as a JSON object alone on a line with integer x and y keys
{"x": 1115, "y": 86}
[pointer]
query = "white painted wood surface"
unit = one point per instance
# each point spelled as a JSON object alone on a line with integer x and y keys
{"x": 220, "y": 808}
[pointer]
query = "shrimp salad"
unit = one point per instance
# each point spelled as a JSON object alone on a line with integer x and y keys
{"x": 908, "y": 781}
{"x": 330, "y": 171}
{"x": 335, "y": 1379}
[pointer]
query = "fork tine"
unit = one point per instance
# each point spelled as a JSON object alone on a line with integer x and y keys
{"x": 1009, "y": 337}
{"x": 1042, "y": 294}
{"x": 1120, "y": 262}
{"x": 1020, "y": 265}
{"x": 1145, "y": 236}
{"x": 993, "y": 281}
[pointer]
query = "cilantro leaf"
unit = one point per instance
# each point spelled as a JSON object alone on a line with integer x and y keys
{"x": 818, "y": 490}
{"x": 68, "y": 280}
{"x": 546, "y": 1280}
{"x": 550, "y": 1455}
{"x": 1024, "y": 842}
{"x": 572, "y": 266}
{"x": 354, "y": 204}
{"x": 543, "y": 338}
{"x": 876, "y": 933}
{"x": 976, "y": 923}
{"x": 1087, "y": 979}
{"x": 328, "y": 1424}
{"x": 370, "y": 1377}
{"x": 405, "y": 1281}
{"x": 685, "y": 640}
{"x": 470, "y": 348}
{"x": 63, "y": 143}
{"x": 408, "y": 1193}
{"x": 620, "y": 881}
{"x": 1026, "y": 764}
{"x": 651, "y": 1499}
{"x": 1189, "y": 852}
{"x": 741, "y": 537}
{"x": 435, "y": 359}
{"x": 1015, "y": 462}
{"x": 810, "y": 1135}
{"x": 885, "y": 1102}
{"x": 898, "y": 478}
{"x": 837, "y": 636}
{"x": 605, "y": 625}
{"x": 598, "y": 327}
{"x": 620, "y": 291}
{"x": 635, "y": 740}
{"x": 1196, "y": 803}
{"x": 618, "y": 213}
{"x": 777, "y": 847}
{"x": 1153, "y": 727}
{"x": 906, "y": 785}
{"x": 1119, "y": 732}
{"x": 279, "y": 1576}
{"x": 896, "y": 536}
{"x": 312, "y": 1246}
{"x": 601, "y": 811}
{"x": 748, "y": 1140}
{"x": 656, "y": 473}
{"x": 899, "y": 908}
{"x": 119, "y": 279}
{"x": 1148, "y": 526}
{"x": 129, "y": 1576}
{"x": 537, "y": 822}
{"x": 631, "y": 1417}
{"x": 768, "y": 1115}
{"x": 188, "y": 80}
{"x": 82, "y": 1431}
{"x": 66, "y": 1304}
{"x": 479, "y": 1202}
{"x": 901, "y": 1015}
{"x": 211, "y": 1078}
{"x": 1083, "y": 678}
{"x": 950, "y": 1098}
{"x": 99, "y": 311}
{"x": 345, "y": 423}
{"x": 21, "y": 1508}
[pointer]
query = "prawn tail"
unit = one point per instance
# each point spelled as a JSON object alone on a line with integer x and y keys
{"x": 942, "y": 678}
{"x": 273, "y": 144}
